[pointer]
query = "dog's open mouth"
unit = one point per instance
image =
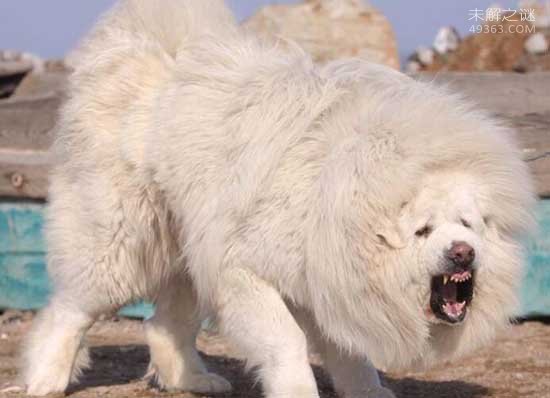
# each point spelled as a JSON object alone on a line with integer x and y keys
{"x": 451, "y": 295}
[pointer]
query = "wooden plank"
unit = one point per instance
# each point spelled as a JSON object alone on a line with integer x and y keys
{"x": 53, "y": 82}
{"x": 534, "y": 136}
{"x": 503, "y": 93}
{"x": 24, "y": 173}
{"x": 27, "y": 123}
{"x": 521, "y": 100}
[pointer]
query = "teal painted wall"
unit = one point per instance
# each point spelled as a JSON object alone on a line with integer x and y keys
{"x": 23, "y": 278}
{"x": 535, "y": 293}
{"x": 24, "y": 282}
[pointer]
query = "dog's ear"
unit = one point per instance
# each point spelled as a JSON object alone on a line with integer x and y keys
{"x": 390, "y": 233}
{"x": 392, "y": 237}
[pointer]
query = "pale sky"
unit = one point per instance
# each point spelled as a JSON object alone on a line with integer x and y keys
{"x": 50, "y": 28}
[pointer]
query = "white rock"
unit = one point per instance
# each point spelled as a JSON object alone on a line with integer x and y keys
{"x": 536, "y": 44}
{"x": 3, "y": 336}
{"x": 446, "y": 40}
{"x": 37, "y": 62}
{"x": 541, "y": 10}
{"x": 9, "y": 55}
{"x": 425, "y": 55}
{"x": 412, "y": 67}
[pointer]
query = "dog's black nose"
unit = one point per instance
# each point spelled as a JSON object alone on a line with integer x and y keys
{"x": 461, "y": 254}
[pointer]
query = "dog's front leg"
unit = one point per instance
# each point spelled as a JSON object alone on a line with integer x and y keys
{"x": 253, "y": 315}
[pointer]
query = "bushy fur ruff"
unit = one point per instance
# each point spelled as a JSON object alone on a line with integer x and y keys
{"x": 188, "y": 149}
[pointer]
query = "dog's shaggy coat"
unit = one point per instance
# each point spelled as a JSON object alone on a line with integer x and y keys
{"x": 218, "y": 176}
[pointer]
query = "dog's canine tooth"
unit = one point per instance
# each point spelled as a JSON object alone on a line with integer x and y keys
{"x": 445, "y": 279}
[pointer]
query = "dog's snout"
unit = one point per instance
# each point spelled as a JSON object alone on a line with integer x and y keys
{"x": 461, "y": 254}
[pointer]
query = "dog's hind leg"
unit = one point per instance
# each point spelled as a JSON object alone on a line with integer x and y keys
{"x": 91, "y": 269}
{"x": 171, "y": 335}
{"x": 53, "y": 353}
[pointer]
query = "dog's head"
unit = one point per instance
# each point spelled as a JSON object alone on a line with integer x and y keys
{"x": 465, "y": 263}
{"x": 445, "y": 229}
{"x": 414, "y": 254}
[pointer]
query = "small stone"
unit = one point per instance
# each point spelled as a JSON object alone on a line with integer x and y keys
{"x": 536, "y": 44}
{"x": 446, "y": 40}
{"x": 3, "y": 336}
{"x": 9, "y": 55}
{"x": 11, "y": 389}
{"x": 413, "y": 67}
{"x": 425, "y": 55}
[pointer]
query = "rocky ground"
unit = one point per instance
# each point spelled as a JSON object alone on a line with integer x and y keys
{"x": 517, "y": 365}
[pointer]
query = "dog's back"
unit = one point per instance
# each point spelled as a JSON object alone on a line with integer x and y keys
{"x": 121, "y": 65}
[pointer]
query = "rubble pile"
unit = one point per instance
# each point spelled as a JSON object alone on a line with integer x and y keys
{"x": 329, "y": 29}
{"x": 502, "y": 40}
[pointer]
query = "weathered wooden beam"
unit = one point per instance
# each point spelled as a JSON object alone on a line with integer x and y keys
{"x": 503, "y": 93}
{"x": 24, "y": 173}
{"x": 534, "y": 136}
{"x": 521, "y": 100}
{"x": 27, "y": 123}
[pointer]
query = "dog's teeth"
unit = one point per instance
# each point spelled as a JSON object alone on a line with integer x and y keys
{"x": 445, "y": 279}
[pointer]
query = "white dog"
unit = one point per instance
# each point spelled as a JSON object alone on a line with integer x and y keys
{"x": 217, "y": 176}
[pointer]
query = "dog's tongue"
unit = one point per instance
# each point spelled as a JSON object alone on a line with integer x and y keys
{"x": 453, "y": 309}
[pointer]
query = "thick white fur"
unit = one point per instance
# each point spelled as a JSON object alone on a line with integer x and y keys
{"x": 217, "y": 176}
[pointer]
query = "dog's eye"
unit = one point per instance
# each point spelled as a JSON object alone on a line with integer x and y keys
{"x": 424, "y": 231}
{"x": 465, "y": 223}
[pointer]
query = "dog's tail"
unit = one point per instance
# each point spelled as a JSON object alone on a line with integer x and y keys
{"x": 166, "y": 25}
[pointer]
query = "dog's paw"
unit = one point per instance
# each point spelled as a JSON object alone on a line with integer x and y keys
{"x": 38, "y": 387}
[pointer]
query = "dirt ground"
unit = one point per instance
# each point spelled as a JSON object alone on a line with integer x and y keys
{"x": 517, "y": 365}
